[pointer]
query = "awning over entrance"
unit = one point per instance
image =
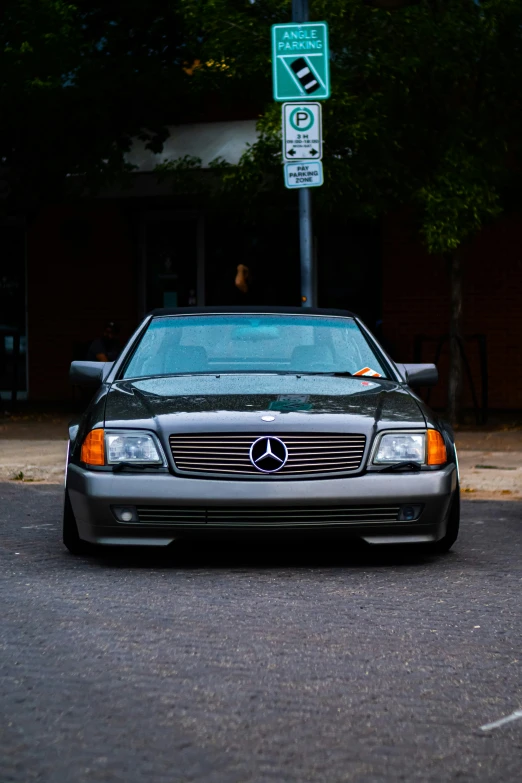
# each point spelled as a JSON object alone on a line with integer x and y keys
{"x": 205, "y": 140}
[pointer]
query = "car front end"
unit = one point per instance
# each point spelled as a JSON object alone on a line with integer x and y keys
{"x": 161, "y": 457}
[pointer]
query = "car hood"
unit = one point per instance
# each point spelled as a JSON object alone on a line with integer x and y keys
{"x": 210, "y": 403}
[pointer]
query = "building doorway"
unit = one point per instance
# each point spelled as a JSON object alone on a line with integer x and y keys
{"x": 172, "y": 260}
{"x": 192, "y": 259}
{"x": 13, "y": 326}
{"x": 270, "y": 250}
{"x": 349, "y": 268}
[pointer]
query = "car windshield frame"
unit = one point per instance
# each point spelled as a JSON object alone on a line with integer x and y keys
{"x": 385, "y": 364}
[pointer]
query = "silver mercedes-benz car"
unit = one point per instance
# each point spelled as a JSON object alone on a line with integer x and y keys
{"x": 247, "y": 422}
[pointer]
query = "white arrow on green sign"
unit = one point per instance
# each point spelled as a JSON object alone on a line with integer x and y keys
{"x": 300, "y": 61}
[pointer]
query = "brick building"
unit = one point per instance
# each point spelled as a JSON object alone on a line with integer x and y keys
{"x": 415, "y": 301}
{"x": 68, "y": 268}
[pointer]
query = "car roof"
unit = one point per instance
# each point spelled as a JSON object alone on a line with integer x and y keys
{"x": 235, "y": 309}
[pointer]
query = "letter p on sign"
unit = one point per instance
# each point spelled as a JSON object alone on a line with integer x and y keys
{"x": 302, "y": 131}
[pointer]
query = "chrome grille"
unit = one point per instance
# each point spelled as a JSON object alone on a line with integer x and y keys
{"x": 228, "y": 453}
{"x": 267, "y": 517}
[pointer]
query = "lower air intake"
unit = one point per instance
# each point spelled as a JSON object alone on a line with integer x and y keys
{"x": 268, "y": 517}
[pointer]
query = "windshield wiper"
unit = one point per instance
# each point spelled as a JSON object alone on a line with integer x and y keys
{"x": 344, "y": 374}
{"x": 401, "y": 466}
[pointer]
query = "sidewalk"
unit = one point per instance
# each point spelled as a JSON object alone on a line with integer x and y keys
{"x": 490, "y": 463}
{"x": 485, "y": 475}
{"x": 33, "y": 448}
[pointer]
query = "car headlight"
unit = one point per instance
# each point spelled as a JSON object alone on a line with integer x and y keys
{"x": 401, "y": 447}
{"x": 426, "y": 448}
{"x": 138, "y": 447}
{"x": 111, "y": 448}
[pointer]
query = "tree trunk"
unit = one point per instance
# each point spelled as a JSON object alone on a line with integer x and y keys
{"x": 455, "y": 366}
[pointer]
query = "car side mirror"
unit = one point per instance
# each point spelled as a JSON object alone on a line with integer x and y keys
{"x": 420, "y": 374}
{"x": 89, "y": 375}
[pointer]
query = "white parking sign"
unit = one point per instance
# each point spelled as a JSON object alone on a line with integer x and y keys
{"x": 302, "y": 131}
{"x": 304, "y": 175}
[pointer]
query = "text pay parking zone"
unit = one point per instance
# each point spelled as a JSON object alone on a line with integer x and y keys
{"x": 304, "y": 175}
{"x": 300, "y": 61}
{"x": 302, "y": 131}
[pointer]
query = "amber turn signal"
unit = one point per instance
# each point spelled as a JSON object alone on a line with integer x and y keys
{"x": 93, "y": 448}
{"x": 437, "y": 454}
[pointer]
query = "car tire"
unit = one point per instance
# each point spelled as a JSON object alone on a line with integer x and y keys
{"x": 71, "y": 537}
{"x": 452, "y": 529}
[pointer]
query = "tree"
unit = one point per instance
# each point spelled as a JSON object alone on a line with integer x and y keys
{"x": 425, "y": 109}
{"x": 78, "y": 80}
{"x": 424, "y": 112}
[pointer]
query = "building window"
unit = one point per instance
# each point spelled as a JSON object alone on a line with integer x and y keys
{"x": 13, "y": 331}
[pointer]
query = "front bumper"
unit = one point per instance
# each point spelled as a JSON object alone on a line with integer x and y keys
{"x": 93, "y": 493}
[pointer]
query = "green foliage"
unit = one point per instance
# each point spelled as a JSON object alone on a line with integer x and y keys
{"x": 456, "y": 202}
{"x": 77, "y": 82}
{"x": 424, "y": 108}
{"x": 184, "y": 174}
{"x": 231, "y": 41}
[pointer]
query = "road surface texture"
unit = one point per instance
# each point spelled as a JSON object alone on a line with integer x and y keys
{"x": 283, "y": 664}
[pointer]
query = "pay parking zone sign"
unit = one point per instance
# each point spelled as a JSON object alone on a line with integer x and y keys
{"x": 302, "y": 131}
{"x": 300, "y": 61}
{"x": 304, "y": 175}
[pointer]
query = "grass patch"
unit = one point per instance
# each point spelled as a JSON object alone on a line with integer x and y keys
{"x": 21, "y": 477}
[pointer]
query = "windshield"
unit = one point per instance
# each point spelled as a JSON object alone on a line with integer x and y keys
{"x": 246, "y": 343}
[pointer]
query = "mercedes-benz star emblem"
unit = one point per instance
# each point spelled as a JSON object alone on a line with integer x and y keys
{"x": 268, "y": 454}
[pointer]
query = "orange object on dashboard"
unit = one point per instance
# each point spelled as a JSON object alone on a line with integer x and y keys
{"x": 437, "y": 454}
{"x": 93, "y": 448}
{"x": 368, "y": 371}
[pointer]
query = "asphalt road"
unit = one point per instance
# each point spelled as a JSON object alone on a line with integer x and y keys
{"x": 236, "y": 667}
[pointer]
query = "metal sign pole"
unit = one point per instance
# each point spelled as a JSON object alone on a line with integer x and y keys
{"x": 305, "y": 237}
{"x": 300, "y": 14}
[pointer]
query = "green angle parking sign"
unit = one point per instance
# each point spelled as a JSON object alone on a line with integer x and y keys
{"x": 300, "y": 61}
